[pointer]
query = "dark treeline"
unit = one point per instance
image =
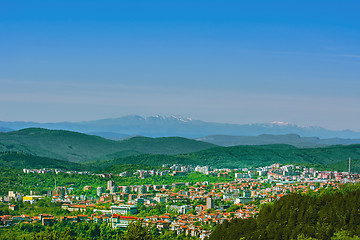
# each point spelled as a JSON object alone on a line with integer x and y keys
{"x": 86, "y": 231}
{"x": 326, "y": 215}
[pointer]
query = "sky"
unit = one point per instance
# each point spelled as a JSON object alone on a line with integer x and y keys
{"x": 217, "y": 61}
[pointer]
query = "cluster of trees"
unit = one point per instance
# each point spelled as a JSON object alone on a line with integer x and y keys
{"x": 158, "y": 209}
{"x": 326, "y": 215}
{"x": 41, "y": 206}
{"x": 84, "y": 231}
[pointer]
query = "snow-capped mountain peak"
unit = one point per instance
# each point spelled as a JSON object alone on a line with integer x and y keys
{"x": 171, "y": 118}
{"x": 280, "y": 123}
{"x": 181, "y": 118}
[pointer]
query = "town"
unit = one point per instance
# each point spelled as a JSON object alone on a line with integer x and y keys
{"x": 189, "y": 208}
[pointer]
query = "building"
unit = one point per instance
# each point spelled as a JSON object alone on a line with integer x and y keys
{"x": 77, "y": 207}
{"x": 144, "y": 174}
{"x": 113, "y": 190}
{"x": 70, "y": 219}
{"x": 126, "y": 189}
{"x": 110, "y": 184}
{"x": 100, "y": 191}
{"x": 242, "y": 175}
{"x": 32, "y": 198}
{"x": 13, "y": 196}
{"x": 59, "y": 191}
{"x": 118, "y": 221}
{"x": 142, "y": 189}
{"x": 181, "y": 209}
{"x": 48, "y": 221}
{"x": 247, "y": 193}
{"x": 179, "y": 173}
{"x": 87, "y": 188}
{"x": 131, "y": 197}
{"x": 140, "y": 201}
{"x": 245, "y": 198}
{"x": 209, "y": 203}
{"x": 204, "y": 169}
{"x": 124, "y": 209}
{"x": 14, "y": 207}
{"x": 125, "y": 174}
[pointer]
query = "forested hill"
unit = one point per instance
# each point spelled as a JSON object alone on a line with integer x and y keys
{"x": 333, "y": 215}
{"x": 78, "y": 147}
{"x": 332, "y": 158}
{"x": 267, "y": 154}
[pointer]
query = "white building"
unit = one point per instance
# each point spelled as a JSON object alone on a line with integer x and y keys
{"x": 123, "y": 209}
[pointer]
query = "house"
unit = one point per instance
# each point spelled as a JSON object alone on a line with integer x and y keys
{"x": 83, "y": 218}
{"x": 6, "y": 220}
{"x": 17, "y": 219}
{"x": 14, "y": 207}
{"x": 162, "y": 224}
{"x": 70, "y": 219}
{"x": 48, "y": 221}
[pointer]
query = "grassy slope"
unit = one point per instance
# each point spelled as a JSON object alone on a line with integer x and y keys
{"x": 78, "y": 147}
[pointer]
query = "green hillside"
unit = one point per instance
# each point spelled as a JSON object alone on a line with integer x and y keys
{"x": 334, "y": 157}
{"x": 100, "y": 153}
{"x": 21, "y": 160}
{"x": 143, "y": 159}
{"x": 78, "y": 147}
{"x": 264, "y": 155}
{"x": 343, "y": 166}
{"x": 164, "y": 145}
{"x": 328, "y": 214}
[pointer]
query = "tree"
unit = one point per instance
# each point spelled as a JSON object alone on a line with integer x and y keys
{"x": 344, "y": 235}
{"x": 136, "y": 231}
{"x": 94, "y": 231}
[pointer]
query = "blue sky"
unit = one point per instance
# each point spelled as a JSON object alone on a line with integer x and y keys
{"x": 223, "y": 61}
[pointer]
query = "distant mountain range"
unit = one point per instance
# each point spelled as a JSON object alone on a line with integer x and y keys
{"x": 158, "y": 126}
{"x": 291, "y": 139}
